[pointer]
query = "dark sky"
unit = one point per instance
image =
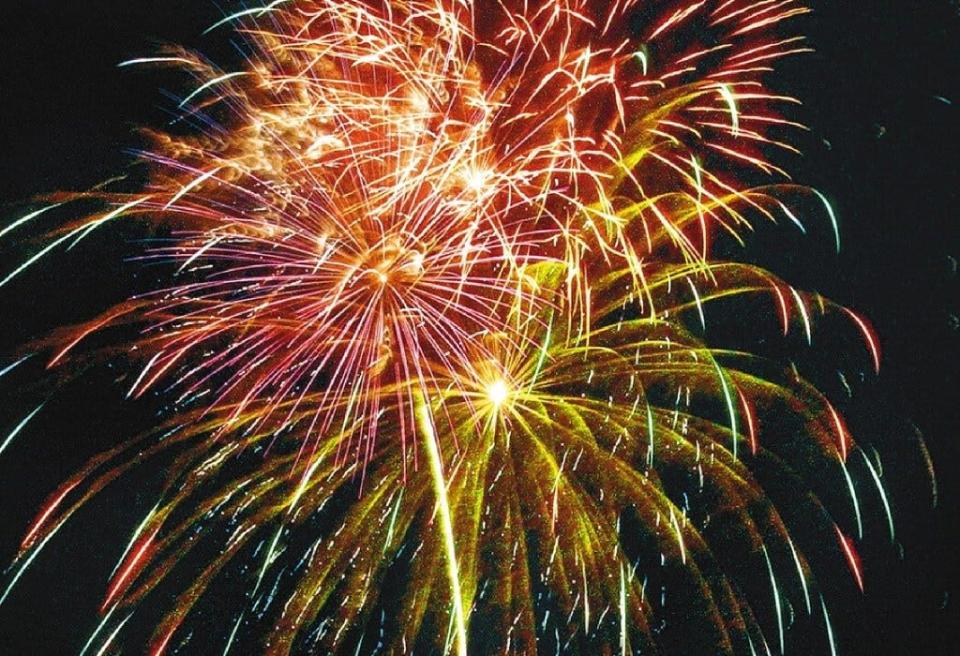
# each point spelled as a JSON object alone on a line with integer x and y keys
{"x": 882, "y": 98}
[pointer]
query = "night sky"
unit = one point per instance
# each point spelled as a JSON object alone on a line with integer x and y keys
{"x": 882, "y": 98}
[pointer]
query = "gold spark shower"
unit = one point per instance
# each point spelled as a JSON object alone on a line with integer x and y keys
{"x": 433, "y": 340}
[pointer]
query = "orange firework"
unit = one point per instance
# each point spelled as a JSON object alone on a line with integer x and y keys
{"x": 431, "y": 331}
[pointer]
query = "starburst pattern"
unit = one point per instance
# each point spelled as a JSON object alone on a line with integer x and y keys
{"x": 439, "y": 273}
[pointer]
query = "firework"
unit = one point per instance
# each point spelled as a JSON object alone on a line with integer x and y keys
{"x": 433, "y": 337}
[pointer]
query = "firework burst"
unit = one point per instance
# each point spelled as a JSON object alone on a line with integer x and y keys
{"x": 433, "y": 335}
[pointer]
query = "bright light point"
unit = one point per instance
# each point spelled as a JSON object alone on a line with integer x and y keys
{"x": 420, "y": 102}
{"x": 477, "y": 180}
{"x": 497, "y": 392}
{"x": 416, "y": 262}
{"x": 382, "y": 277}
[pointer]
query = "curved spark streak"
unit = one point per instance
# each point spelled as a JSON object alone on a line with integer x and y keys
{"x": 446, "y": 524}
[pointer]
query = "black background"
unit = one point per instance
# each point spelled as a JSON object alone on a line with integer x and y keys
{"x": 882, "y": 98}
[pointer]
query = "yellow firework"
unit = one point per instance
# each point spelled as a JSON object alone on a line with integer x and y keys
{"x": 441, "y": 272}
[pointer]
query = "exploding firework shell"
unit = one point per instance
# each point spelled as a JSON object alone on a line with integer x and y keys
{"x": 432, "y": 334}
